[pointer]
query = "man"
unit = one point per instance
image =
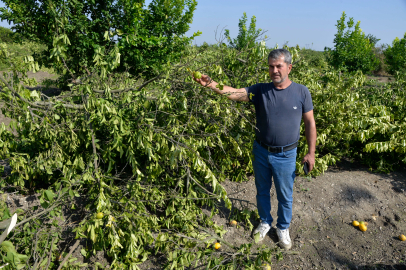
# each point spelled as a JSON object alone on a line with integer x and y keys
{"x": 279, "y": 108}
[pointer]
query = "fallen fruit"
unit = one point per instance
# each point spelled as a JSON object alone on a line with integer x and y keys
{"x": 197, "y": 74}
{"x": 99, "y": 215}
{"x": 402, "y": 237}
{"x": 355, "y": 223}
{"x": 59, "y": 257}
{"x": 265, "y": 266}
{"x": 361, "y": 222}
{"x": 233, "y": 223}
{"x": 217, "y": 245}
{"x": 362, "y": 227}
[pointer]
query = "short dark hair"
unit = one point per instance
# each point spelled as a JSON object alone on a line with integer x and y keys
{"x": 276, "y": 54}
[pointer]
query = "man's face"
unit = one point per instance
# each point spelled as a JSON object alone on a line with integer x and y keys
{"x": 279, "y": 70}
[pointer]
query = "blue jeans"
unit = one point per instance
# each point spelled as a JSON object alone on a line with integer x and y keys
{"x": 280, "y": 166}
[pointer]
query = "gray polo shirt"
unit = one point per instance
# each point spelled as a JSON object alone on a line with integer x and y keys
{"x": 279, "y": 111}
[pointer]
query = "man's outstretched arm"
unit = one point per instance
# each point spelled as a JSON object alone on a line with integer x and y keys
{"x": 232, "y": 93}
{"x": 311, "y": 136}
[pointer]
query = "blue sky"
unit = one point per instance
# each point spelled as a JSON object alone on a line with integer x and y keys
{"x": 309, "y": 23}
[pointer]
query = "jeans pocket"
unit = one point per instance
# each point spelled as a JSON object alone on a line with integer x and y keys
{"x": 290, "y": 154}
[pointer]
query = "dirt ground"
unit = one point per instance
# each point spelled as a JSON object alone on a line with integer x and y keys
{"x": 384, "y": 78}
{"x": 323, "y": 209}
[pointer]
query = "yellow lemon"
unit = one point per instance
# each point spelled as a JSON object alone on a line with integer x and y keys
{"x": 355, "y": 223}
{"x": 362, "y": 227}
{"x": 217, "y": 245}
{"x": 402, "y": 237}
{"x": 233, "y": 223}
{"x": 265, "y": 266}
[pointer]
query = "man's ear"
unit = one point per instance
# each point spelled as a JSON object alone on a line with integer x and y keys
{"x": 289, "y": 68}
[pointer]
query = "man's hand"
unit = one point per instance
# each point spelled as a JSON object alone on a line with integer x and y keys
{"x": 311, "y": 135}
{"x": 310, "y": 159}
{"x": 205, "y": 81}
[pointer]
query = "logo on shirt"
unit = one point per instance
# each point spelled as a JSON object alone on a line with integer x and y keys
{"x": 295, "y": 107}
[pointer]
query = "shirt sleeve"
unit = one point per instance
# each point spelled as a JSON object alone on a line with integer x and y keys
{"x": 253, "y": 93}
{"x": 307, "y": 102}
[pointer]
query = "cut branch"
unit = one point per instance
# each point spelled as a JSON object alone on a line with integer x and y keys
{"x": 129, "y": 89}
{"x": 73, "y": 248}
{"x": 39, "y": 104}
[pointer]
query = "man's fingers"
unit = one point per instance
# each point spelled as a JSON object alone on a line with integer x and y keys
{"x": 309, "y": 161}
{"x": 205, "y": 80}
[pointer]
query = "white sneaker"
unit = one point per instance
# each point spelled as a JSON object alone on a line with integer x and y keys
{"x": 262, "y": 229}
{"x": 284, "y": 238}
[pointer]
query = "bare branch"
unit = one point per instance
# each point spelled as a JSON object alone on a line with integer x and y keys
{"x": 129, "y": 89}
{"x": 70, "y": 253}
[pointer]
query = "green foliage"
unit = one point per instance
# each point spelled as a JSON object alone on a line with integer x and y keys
{"x": 244, "y": 216}
{"x": 79, "y": 33}
{"x": 11, "y": 257}
{"x": 355, "y": 120}
{"x": 372, "y": 39}
{"x": 246, "y": 37}
{"x": 395, "y": 56}
{"x": 315, "y": 59}
{"x": 352, "y": 50}
{"x": 6, "y": 35}
{"x": 20, "y": 50}
{"x": 149, "y": 155}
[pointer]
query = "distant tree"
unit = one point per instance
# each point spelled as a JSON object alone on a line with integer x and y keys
{"x": 372, "y": 39}
{"x": 6, "y": 35}
{"x": 352, "y": 49}
{"x": 395, "y": 56}
{"x": 246, "y": 37}
{"x": 103, "y": 34}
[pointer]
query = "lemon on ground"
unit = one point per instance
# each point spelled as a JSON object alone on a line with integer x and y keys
{"x": 197, "y": 74}
{"x": 233, "y": 223}
{"x": 59, "y": 257}
{"x": 99, "y": 215}
{"x": 265, "y": 266}
{"x": 355, "y": 223}
{"x": 217, "y": 245}
{"x": 362, "y": 227}
{"x": 402, "y": 237}
{"x": 361, "y": 222}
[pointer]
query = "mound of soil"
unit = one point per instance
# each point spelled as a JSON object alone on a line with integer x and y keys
{"x": 323, "y": 210}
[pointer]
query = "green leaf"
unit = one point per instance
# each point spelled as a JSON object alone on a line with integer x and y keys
{"x": 84, "y": 252}
{"x": 50, "y": 195}
{"x": 256, "y": 237}
{"x": 7, "y": 246}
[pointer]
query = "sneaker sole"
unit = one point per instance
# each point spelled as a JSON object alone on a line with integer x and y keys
{"x": 285, "y": 247}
